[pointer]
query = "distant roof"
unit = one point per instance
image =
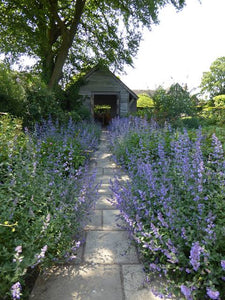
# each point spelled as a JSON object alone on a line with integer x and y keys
{"x": 99, "y": 68}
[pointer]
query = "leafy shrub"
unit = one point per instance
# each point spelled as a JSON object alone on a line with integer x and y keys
{"x": 12, "y": 94}
{"x": 171, "y": 104}
{"x": 188, "y": 122}
{"x": 45, "y": 199}
{"x": 84, "y": 112}
{"x": 25, "y": 96}
{"x": 144, "y": 101}
{"x": 219, "y": 101}
{"x": 12, "y": 140}
{"x": 145, "y": 113}
{"x": 174, "y": 204}
{"x": 40, "y": 101}
{"x": 213, "y": 115}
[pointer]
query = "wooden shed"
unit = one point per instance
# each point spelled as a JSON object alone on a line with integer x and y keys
{"x": 102, "y": 88}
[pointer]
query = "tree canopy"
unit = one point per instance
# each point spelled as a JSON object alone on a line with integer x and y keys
{"x": 67, "y": 35}
{"x": 173, "y": 103}
{"x": 213, "y": 81}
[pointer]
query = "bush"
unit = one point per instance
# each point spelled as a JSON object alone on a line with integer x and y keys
{"x": 26, "y": 96}
{"x": 45, "y": 198}
{"x": 12, "y": 94}
{"x": 219, "y": 101}
{"x": 12, "y": 140}
{"x": 188, "y": 122}
{"x": 213, "y": 115}
{"x": 144, "y": 101}
{"x": 172, "y": 104}
{"x": 174, "y": 204}
{"x": 40, "y": 101}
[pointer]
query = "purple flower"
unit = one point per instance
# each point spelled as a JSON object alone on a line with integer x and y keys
{"x": 161, "y": 219}
{"x": 155, "y": 267}
{"x": 223, "y": 264}
{"x": 188, "y": 270}
{"x": 42, "y": 254}
{"x": 186, "y": 291}
{"x": 15, "y": 290}
{"x": 213, "y": 294}
{"x": 195, "y": 255}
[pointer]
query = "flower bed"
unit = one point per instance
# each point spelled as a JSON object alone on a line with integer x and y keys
{"x": 45, "y": 196}
{"x": 174, "y": 206}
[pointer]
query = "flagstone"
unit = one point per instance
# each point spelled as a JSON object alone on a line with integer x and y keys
{"x": 95, "y": 222}
{"x": 109, "y": 247}
{"x": 104, "y": 203}
{"x": 111, "y": 220}
{"x": 85, "y": 282}
{"x": 134, "y": 283}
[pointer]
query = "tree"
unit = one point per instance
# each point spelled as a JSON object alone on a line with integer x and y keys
{"x": 68, "y": 35}
{"x": 171, "y": 104}
{"x": 213, "y": 81}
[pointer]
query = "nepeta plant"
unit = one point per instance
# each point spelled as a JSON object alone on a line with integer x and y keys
{"x": 45, "y": 197}
{"x": 173, "y": 205}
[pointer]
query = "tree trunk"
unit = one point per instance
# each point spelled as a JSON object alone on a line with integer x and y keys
{"x": 67, "y": 40}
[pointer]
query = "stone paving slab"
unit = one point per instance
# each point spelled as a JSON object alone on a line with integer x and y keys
{"x": 104, "y": 178}
{"x": 103, "y": 203}
{"x": 85, "y": 282}
{"x": 110, "y": 171}
{"x": 103, "y": 155}
{"x": 96, "y": 171}
{"x": 134, "y": 287}
{"x": 96, "y": 221}
{"x": 106, "y": 164}
{"x": 105, "y": 189}
{"x": 109, "y": 248}
{"x": 111, "y": 220}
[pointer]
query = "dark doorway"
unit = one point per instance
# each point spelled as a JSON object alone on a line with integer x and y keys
{"x": 105, "y": 107}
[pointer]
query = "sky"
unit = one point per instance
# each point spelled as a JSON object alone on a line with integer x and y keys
{"x": 180, "y": 48}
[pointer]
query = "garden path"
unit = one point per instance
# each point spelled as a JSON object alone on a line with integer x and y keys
{"x": 107, "y": 267}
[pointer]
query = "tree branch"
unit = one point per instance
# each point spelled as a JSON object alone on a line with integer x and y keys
{"x": 56, "y": 17}
{"x": 67, "y": 36}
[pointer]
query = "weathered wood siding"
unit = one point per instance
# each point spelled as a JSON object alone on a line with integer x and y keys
{"x": 100, "y": 82}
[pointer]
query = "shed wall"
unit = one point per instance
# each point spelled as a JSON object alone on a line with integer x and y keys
{"x": 102, "y": 81}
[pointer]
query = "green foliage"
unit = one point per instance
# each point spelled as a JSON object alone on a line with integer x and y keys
{"x": 214, "y": 111}
{"x": 12, "y": 93}
{"x": 173, "y": 103}
{"x": 144, "y": 101}
{"x": 213, "y": 81}
{"x": 213, "y": 114}
{"x": 45, "y": 196}
{"x": 66, "y": 36}
{"x": 40, "y": 101}
{"x": 219, "y": 101}
{"x": 174, "y": 204}
{"x": 26, "y": 96}
{"x": 72, "y": 100}
{"x": 189, "y": 122}
{"x": 12, "y": 139}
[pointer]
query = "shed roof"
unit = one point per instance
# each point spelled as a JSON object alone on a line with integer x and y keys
{"x": 122, "y": 84}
